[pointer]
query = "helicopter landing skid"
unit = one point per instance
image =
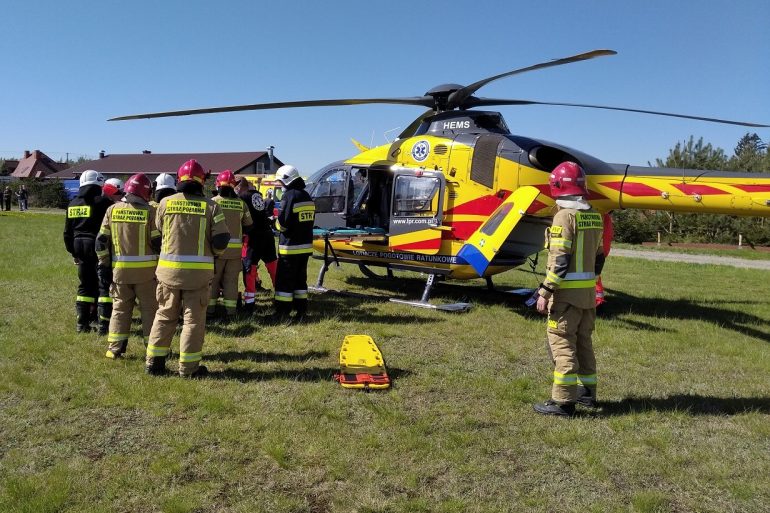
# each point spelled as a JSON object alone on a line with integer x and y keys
{"x": 449, "y": 307}
{"x": 423, "y": 302}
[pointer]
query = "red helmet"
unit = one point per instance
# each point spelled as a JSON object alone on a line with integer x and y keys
{"x": 140, "y": 185}
{"x": 191, "y": 170}
{"x": 568, "y": 179}
{"x": 226, "y": 179}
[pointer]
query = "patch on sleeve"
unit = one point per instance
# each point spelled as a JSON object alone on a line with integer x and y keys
{"x": 556, "y": 230}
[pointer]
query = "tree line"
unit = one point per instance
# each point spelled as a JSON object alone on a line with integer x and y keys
{"x": 749, "y": 155}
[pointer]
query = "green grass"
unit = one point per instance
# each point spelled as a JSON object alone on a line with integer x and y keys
{"x": 684, "y": 359}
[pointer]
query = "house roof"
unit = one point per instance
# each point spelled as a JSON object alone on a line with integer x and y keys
{"x": 37, "y": 165}
{"x": 156, "y": 163}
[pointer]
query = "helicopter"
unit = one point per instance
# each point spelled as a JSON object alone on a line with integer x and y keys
{"x": 458, "y": 196}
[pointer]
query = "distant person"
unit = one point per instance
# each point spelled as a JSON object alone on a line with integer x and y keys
{"x": 227, "y": 266}
{"x": 568, "y": 293}
{"x": 83, "y": 220}
{"x": 7, "y": 198}
{"x": 193, "y": 231}
{"x": 22, "y": 196}
{"x": 295, "y": 244}
{"x": 127, "y": 247}
{"x": 258, "y": 243}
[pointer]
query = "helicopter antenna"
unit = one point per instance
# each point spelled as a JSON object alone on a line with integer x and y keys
{"x": 389, "y": 131}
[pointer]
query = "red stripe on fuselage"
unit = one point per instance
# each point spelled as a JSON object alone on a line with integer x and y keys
{"x": 753, "y": 188}
{"x": 632, "y": 188}
{"x": 703, "y": 190}
{"x": 482, "y": 206}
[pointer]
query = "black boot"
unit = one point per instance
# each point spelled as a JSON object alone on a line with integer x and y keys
{"x": 83, "y": 311}
{"x": 156, "y": 366}
{"x": 201, "y": 372}
{"x": 104, "y": 312}
{"x": 301, "y": 307}
{"x": 586, "y": 397}
{"x": 551, "y": 407}
{"x": 119, "y": 352}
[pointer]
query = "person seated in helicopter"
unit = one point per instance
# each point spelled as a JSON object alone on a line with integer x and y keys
{"x": 360, "y": 196}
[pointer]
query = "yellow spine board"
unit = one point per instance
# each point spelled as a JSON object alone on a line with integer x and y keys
{"x": 361, "y": 364}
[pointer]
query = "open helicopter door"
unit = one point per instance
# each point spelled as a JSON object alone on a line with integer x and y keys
{"x": 416, "y": 211}
{"x": 486, "y": 242}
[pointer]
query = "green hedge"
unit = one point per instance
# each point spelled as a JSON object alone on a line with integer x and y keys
{"x": 42, "y": 193}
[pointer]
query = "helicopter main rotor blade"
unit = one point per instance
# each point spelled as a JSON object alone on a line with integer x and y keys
{"x": 457, "y": 98}
{"x": 480, "y": 102}
{"x": 425, "y": 101}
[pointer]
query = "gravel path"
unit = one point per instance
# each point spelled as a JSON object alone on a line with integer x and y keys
{"x": 693, "y": 259}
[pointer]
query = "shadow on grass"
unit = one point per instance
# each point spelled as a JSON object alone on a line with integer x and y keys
{"x": 304, "y": 374}
{"x": 620, "y": 303}
{"x": 451, "y": 291}
{"x": 692, "y": 404}
{"x": 265, "y": 356}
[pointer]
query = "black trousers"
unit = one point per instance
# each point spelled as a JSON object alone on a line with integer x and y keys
{"x": 291, "y": 283}
{"x": 88, "y": 288}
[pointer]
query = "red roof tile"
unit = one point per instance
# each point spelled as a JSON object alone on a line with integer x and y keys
{"x": 37, "y": 165}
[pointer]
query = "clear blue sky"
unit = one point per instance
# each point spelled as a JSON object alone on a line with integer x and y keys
{"x": 68, "y": 66}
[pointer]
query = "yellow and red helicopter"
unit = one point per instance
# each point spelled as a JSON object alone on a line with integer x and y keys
{"x": 458, "y": 196}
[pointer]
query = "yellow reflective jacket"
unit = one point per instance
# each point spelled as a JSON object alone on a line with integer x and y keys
{"x": 187, "y": 224}
{"x": 126, "y": 239}
{"x": 575, "y": 257}
{"x": 237, "y": 217}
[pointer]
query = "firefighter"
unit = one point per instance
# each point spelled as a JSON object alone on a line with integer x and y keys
{"x": 258, "y": 243}
{"x": 227, "y": 266}
{"x": 113, "y": 189}
{"x": 127, "y": 246}
{"x": 193, "y": 231}
{"x": 568, "y": 294}
{"x": 165, "y": 185}
{"x": 83, "y": 219}
{"x": 295, "y": 243}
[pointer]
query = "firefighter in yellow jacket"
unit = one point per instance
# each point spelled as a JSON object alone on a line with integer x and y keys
{"x": 228, "y": 265}
{"x": 193, "y": 231}
{"x": 568, "y": 294}
{"x": 127, "y": 246}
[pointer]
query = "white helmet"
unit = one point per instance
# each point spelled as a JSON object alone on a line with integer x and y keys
{"x": 286, "y": 174}
{"x": 115, "y": 182}
{"x": 165, "y": 181}
{"x": 91, "y": 177}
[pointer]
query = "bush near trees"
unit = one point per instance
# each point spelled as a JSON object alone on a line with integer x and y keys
{"x": 749, "y": 155}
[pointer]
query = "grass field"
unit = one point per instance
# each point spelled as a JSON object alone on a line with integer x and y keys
{"x": 684, "y": 360}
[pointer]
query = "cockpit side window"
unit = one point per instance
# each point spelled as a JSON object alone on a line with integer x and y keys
{"x": 329, "y": 192}
{"x": 416, "y": 196}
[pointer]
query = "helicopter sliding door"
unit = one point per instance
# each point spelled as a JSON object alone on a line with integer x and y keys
{"x": 416, "y": 210}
